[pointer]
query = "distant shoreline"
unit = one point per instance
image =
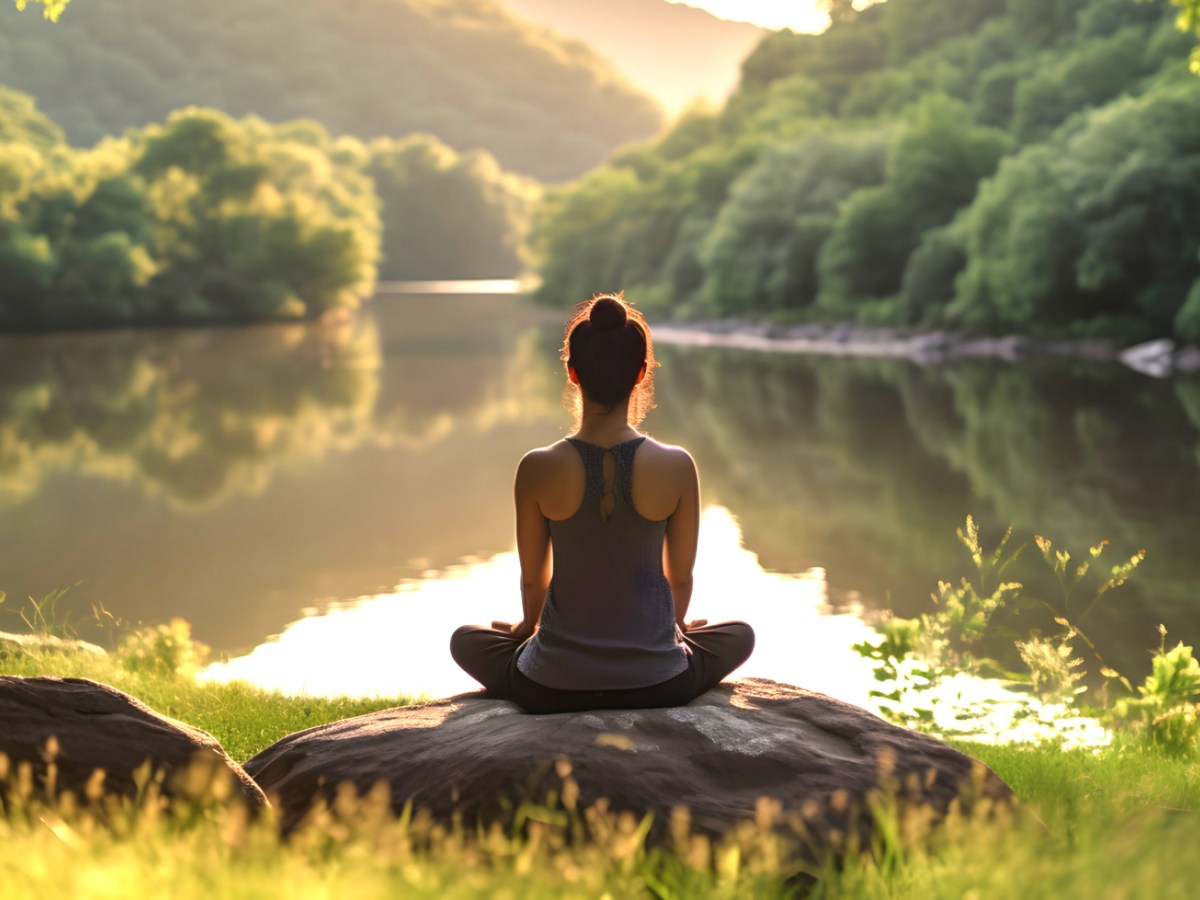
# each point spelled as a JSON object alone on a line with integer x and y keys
{"x": 1158, "y": 358}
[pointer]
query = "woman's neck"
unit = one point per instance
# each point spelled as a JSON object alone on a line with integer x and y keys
{"x": 604, "y": 426}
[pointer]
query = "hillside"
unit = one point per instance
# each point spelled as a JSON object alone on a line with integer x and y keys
{"x": 967, "y": 164}
{"x": 464, "y": 70}
{"x": 673, "y": 52}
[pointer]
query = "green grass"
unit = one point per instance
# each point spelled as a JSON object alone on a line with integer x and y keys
{"x": 1119, "y": 823}
{"x": 244, "y": 719}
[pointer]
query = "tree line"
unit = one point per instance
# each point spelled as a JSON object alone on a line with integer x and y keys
{"x": 206, "y": 218}
{"x": 990, "y": 165}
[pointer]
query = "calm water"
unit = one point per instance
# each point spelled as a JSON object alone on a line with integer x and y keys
{"x": 349, "y": 487}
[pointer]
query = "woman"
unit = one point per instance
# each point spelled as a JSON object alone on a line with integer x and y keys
{"x": 607, "y": 522}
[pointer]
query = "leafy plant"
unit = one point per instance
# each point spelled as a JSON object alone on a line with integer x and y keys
{"x": 163, "y": 649}
{"x": 914, "y": 655}
{"x": 1165, "y": 710}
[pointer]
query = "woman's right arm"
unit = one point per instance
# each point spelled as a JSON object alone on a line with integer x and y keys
{"x": 682, "y": 537}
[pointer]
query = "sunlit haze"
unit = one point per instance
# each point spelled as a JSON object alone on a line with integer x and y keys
{"x": 799, "y": 16}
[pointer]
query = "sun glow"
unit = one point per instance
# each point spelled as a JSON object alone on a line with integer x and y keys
{"x": 767, "y": 13}
{"x": 397, "y": 643}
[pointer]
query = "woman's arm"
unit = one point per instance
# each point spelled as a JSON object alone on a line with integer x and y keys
{"x": 533, "y": 545}
{"x": 683, "y": 531}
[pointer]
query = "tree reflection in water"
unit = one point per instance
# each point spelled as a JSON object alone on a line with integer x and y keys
{"x": 238, "y": 477}
{"x": 193, "y": 416}
{"x": 865, "y": 467}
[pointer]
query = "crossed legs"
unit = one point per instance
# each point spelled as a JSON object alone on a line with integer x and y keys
{"x": 490, "y": 656}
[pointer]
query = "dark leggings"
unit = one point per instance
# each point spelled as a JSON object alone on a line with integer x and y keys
{"x": 490, "y": 657}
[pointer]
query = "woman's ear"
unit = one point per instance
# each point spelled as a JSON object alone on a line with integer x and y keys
{"x": 641, "y": 374}
{"x": 572, "y": 375}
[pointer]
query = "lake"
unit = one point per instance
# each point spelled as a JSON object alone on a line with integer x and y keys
{"x": 326, "y": 502}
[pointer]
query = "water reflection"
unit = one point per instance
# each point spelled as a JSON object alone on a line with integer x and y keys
{"x": 396, "y": 643}
{"x": 236, "y": 477}
{"x": 865, "y": 467}
{"x": 194, "y": 417}
{"x": 247, "y": 474}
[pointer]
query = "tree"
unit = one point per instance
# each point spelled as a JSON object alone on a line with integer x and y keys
{"x": 935, "y": 162}
{"x": 448, "y": 215}
{"x": 1189, "y": 20}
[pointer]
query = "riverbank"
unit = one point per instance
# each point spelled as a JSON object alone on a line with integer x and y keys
{"x": 1116, "y": 823}
{"x": 1158, "y": 358}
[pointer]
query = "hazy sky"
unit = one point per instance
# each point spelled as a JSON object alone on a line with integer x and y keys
{"x": 800, "y": 15}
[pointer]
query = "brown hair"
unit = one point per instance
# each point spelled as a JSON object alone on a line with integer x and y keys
{"x": 606, "y": 342}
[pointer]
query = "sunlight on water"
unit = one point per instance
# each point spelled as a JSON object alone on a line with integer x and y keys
{"x": 478, "y": 286}
{"x": 397, "y": 643}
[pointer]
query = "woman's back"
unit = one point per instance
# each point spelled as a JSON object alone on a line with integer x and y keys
{"x": 609, "y": 621}
{"x": 555, "y": 478}
{"x": 606, "y": 525}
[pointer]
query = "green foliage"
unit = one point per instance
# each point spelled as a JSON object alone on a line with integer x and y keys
{"x": 761, "y": 252}
{"x": 1094, "y": 223}
{"x": 243, "y": 718}
{"x": 1097, "y": 71}
{"x": 167, "y": 650}
{"x": 465, "y": 70}
{"x": 1188, "y": 21}
{"x": 1104, "y": 823}
{"x": 1166, "y": 710}
{"x": 1187, "y": 320}
{"x": 448, "y": 215}
{"x": 912, "y": 656}
{"x": 20, "y": 120}
{"x": 916, "y": 654}
{"x": 51, "y": 9}
{"x": 203, "y": 218}
{"x": 1039, "y": 179}
{"x": 42, "y": 617}
{"x": 935, "y": 160}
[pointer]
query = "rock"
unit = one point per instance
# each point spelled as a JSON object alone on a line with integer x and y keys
{"x": 1154, "y": 358}
{"x": 98, "y": 727}
{"x": 819, "y": 757}
{"x": 40, "y": 643}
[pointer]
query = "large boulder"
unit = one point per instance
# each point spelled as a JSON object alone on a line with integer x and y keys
{"x": 821, "y": 760}
{"x": 82, "y": 726}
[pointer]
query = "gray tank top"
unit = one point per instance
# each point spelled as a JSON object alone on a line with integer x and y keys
{"x": 609, "y": 620}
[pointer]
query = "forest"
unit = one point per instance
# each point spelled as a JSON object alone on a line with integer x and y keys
{"x": 207, "y": 218}
{"x": 465, "y": 71}
{"x": 983, "y": 165}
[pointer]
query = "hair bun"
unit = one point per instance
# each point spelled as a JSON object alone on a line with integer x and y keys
{"x": 608, "y": 314}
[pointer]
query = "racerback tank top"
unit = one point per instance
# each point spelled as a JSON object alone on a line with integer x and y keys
{"x": 609, "y": 619}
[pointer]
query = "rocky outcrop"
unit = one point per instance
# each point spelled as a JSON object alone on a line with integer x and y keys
{"x": 820, "y": 759}
{"x": 81, "y": 726}
{"x": 1159, "y": 358}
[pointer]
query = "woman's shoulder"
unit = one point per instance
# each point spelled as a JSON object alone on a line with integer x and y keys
{"x": 670, "y": 453}
{"x": 541, "y": 462}
{"x": 666, "y": 461}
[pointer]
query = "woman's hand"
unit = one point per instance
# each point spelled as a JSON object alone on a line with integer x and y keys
{"x": 685, "y": 627}
{"x": 520, "y": 630}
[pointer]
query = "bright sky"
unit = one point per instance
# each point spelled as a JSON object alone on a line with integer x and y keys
{"x": 799, "y": 15}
